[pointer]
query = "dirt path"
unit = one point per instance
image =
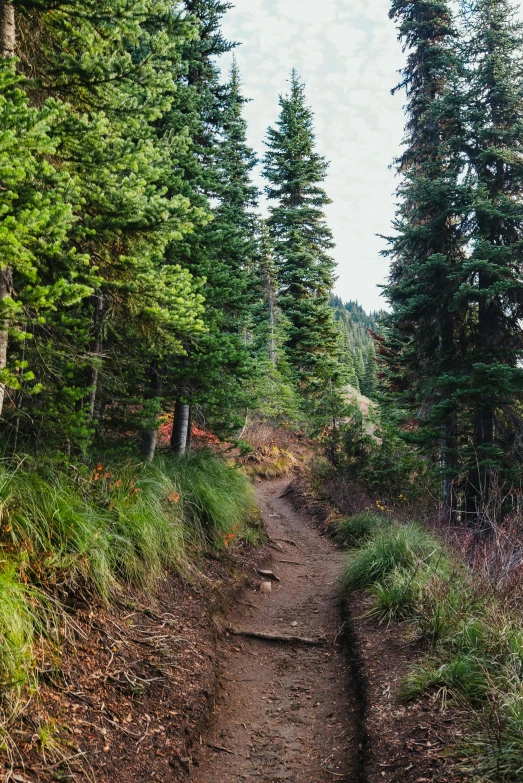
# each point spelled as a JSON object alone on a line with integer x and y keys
{"x": 285, "y": 711}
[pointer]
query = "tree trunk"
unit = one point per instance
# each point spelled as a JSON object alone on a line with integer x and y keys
{"x": 479, "y": 478}
{"x": 449, "y": 426}
{"x": 96, "y": 352}
{"x": 479, "y": 474}
{"x": 180, "y": 428}
{"x": 272, "y": 339}
{"x": 6, "y": 286}
{"x": 448, "y": 462}
{"x": 7, "y": 30}
{"x": 7, "y": 50}
{"x": 189, "y": 430}
{"x": 149, "y": 436}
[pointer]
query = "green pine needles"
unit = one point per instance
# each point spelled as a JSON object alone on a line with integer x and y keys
{"x": 302, "y": 240}
{"x": 453, "y": 348}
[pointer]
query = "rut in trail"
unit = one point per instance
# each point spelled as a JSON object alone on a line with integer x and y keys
{"x": 285, "y": 712}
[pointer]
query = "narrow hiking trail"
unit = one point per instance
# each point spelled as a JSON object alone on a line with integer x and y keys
{"x": 285, "y": 712}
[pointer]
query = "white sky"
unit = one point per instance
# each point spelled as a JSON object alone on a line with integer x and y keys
{"x": 347, "y": 54}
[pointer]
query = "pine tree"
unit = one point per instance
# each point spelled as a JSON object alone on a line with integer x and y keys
{"x": 493, "y": 288}
{"x": 346, "y": 356}
{"x": 429, "y": 247}
{"x": 222, "y": 253}
{"x": 39, "y": 265}
{"x": 113, "y": 59}
{"x": 271, "y": 385}
{"x": 369, "y": 381}
{"x": 302, "y": 241}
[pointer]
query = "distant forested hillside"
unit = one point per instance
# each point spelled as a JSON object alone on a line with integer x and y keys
{"x": 358, "y": 349}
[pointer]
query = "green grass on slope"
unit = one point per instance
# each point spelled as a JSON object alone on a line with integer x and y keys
{"x": 475, "y": 651}
{"x": 103, "y": 527}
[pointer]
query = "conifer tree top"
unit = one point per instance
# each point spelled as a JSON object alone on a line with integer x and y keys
{"x": 292, "y": 167}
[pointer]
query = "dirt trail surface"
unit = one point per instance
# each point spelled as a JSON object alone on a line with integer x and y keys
{"x": 284, "y": 712}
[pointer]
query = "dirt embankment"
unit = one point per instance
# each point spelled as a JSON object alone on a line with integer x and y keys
{"x": 135, "y": 684}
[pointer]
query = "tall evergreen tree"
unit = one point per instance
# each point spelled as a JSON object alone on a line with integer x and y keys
{"x": 39, "y": 264}
{"x": 369, "y": 381}
{"x": 302, "y": 241}
{"x": 347, "y": 346}
{"x": 429, "y": 246}
{"x": 221, "y": 253}
{"x": 272, "y": 387}
{"x": 493, "y": 288}
{"x": 113, "y": 58}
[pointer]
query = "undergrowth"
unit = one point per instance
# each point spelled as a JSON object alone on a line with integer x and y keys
{"x": 358, "y": 528}
{"x": 474, "y": 646}
{"x": 98, "y": 529}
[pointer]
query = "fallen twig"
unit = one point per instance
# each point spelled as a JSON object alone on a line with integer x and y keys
{"x": 270, "y": 637}
{"x": 291, "y": 562}
{"x": 221, "y": 749}
{"x": 286, "y": 541}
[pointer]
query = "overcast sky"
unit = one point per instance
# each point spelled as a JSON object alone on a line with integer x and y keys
{"x": 347, "y": 54}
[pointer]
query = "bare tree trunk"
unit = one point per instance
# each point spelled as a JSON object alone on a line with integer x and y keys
{"x": 149, "y": 436}
{"x": 189, "y": 430}
{"x": 180, "y": 428}
{"x": 449, "y": 427}
{"x": 7, "y": 50}
{"x": 96, "y": 351}
{"x": 6, "y": 286}
{"x": 148, "y": 444}
{"x": 272, "y": 338}
{"x": 7, "y": 30}
{"x": 448, "y": 461}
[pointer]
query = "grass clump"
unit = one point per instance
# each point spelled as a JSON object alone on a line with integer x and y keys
{"x": 217, "y": 499}
{"x": 474, "y": 650}
{"x": 464, "y": 674}
{"x": 103, "y": 527}
{"x": 400, "y": 547}
{"x": 23, "y": 611}
{"x": 396, "y": 597}
{"x": 355, "y": 530}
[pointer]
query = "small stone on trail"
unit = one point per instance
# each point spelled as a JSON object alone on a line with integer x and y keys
{"x": 266, "y": 587}
{"x": 186, "y": 764}
{"x": 269, "y": 575}
{"x": 294, "y": 624}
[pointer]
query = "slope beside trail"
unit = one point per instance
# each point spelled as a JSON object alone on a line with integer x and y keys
{"x": 285, "y": 711}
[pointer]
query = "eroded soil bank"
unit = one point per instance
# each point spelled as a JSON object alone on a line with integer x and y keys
{"x": 286, "y": 712}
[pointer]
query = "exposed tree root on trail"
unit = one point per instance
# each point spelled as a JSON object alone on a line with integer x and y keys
{"x": 274, "y": 637}
{"x": 287, "y": 711}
